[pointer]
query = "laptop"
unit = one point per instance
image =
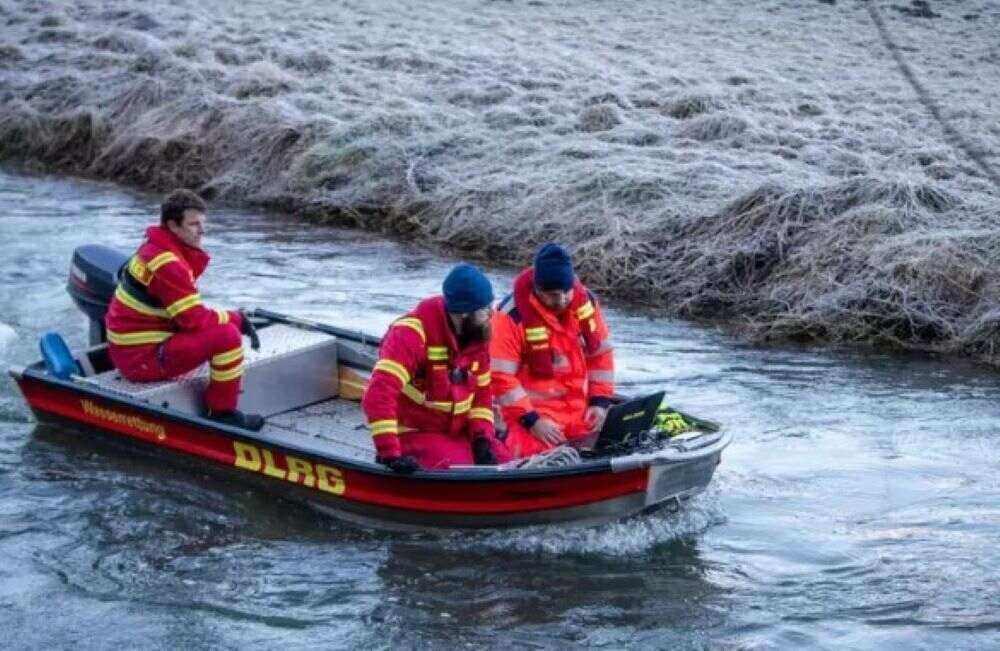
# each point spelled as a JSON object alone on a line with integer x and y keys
{"x": 625, "y": 423}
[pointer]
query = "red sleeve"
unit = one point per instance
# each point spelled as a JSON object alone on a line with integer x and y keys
{"x": 481, "y": 414}
{"x": 601, "y": 363}
{"x": 506, "y": 351}
{"x": 174, "y": 287}
{"x": 401, "y": 354}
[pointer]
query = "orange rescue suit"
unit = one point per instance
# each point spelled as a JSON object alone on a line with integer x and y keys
{"x": 549, "y": 365}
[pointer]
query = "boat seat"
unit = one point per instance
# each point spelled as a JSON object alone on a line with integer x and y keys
{"x": 293, "y": 368}
{"x": 55, "y": 353}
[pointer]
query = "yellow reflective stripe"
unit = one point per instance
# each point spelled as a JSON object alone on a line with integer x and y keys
{"x": 464, "y": 406}
{"x": 413, "y": 323}
{"x": 483, "y": 379}
{"x": 586, "y": 311}
{"x": 418, "y": 397}
{"x": 536, "y": 334}
{"x": 160, "y": 260}
{"x": 414, "y": 394}
{"x": 223, "y": 316}
{"x": 227, "y": 357}
{"x": 437, "y": 353}
{"x": 139, "y": 270}
{"x": 393, "y": 368}
{"x": 482, "y": 412}
{"x": 227, "y": 375}
{"x": 138, "y": 338}
{"x": 388, "y": 426}
{"x": 143, "y": 271}
{"x": 137, "y": 305}
{"x": 440, "y": 406}
{"x": 184, "y": 304}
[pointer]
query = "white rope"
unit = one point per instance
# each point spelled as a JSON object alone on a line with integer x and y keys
{"x": 554, "y": 458}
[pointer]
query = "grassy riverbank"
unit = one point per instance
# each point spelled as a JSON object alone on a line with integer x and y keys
{"x": 768, "y": 165}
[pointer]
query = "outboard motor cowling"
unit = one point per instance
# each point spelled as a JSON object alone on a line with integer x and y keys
{"x": 93, "y": 277}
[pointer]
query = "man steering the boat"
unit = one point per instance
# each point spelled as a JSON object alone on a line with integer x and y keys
{"x": 158, "y": 328}
{"x": 552, "y": 359}
{"x": 429, "y": 400}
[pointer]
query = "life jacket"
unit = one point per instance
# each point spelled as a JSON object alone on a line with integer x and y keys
{"x": 143, "y": 312}
{"x": 536, "y": 333}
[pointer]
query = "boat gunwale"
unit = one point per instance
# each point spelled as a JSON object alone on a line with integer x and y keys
{"x": 32, "y": 373}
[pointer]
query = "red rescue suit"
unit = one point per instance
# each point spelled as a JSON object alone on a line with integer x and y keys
{"x": 427, "y": 398}
{"x": 158, "y": 327}
{"x": 553, "y": 365}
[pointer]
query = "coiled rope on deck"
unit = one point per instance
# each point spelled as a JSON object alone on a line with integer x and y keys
{"x": 554, "y": 458}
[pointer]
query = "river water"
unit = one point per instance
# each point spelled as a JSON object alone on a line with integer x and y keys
{"x": 858, "y": 507}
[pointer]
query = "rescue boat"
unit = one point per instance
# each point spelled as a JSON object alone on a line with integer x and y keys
{"x": 307, "y": 379}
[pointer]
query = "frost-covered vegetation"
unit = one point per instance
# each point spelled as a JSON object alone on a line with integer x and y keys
{"x": 764, "y": 163}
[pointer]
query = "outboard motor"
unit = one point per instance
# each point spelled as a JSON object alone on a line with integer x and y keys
{"x": 93, "y": 277}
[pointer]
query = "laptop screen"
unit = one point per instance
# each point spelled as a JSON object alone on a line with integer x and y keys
{"x": 629, "y": 419}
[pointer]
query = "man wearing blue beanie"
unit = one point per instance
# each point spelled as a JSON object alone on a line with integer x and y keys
{"x": 553, "y": 365}
{"x": 429, "y": 402}
{"x": 466, "y": 290}
{"x": 553, "y": 269}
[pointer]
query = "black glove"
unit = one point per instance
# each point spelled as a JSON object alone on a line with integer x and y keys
{"x": 482, "y": 453}
{"x": 403, "y": 465}
{"x": 247, "y": 327}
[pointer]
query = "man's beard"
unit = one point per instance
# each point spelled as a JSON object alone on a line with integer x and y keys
{"x": 551, "y": 306}
{"x": 471, "y": 332}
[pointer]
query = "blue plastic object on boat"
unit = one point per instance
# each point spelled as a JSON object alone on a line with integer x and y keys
{"x": 58, "y": 360}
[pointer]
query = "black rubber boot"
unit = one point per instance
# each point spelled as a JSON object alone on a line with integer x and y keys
{"x": 237, "y": 418}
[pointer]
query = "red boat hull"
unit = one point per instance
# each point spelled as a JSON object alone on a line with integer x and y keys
{"x": 355, "y": 491}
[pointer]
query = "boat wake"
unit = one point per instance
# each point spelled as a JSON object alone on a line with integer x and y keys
{"x": 629, "y": 537}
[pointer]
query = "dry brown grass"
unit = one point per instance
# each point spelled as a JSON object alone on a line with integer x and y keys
{"x": 688, "y": 175}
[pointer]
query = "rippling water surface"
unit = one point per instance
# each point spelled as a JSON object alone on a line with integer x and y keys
{"x": 859, "y": 505}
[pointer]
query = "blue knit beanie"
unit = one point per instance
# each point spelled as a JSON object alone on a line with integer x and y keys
{"x": 553, "y": 268}
{"x": 466, "y": 289}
